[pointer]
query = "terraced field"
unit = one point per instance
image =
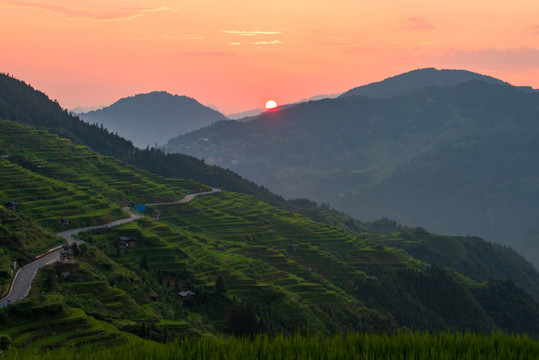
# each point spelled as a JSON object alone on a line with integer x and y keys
{"x": 75, "y": 330}
{"x": 99, "y": 176}
{"x": 47, "y": 200}
{"x": 264, "y": 255}
{"x": 243, "y": 225}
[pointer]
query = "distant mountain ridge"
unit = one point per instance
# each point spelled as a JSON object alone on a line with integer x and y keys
{"x": 418, "y": 79}
{"x": 147, "y": 119}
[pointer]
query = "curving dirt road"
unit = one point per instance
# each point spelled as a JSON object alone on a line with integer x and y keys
{"x": 23, "y": 278}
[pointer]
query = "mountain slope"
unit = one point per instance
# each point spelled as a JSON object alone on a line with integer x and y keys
{"x": 455, "y": 159}
{"x": 148, "y": 119}
{"x": 280, "y": 272}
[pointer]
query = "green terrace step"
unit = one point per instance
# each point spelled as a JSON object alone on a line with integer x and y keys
{"x": 76, "y": 329}
{"x": 54, "y": 157}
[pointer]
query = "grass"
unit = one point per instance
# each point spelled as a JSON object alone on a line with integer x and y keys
{"x": 415, "y": 346}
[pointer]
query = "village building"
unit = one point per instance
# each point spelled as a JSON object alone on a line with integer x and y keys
{"x": 186, "y": 295}
{"x": 66, "y": 254}
{"x": 126, "y": 242}
{"x": 11, "y": 205}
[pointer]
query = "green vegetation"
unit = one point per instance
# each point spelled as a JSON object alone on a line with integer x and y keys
{"x": 419, "y": 346}
{"x": 226, "y": 263}
{"x": 471, "y": 256}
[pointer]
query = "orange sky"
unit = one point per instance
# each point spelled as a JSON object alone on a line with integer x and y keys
{"x": 237, "y": 54}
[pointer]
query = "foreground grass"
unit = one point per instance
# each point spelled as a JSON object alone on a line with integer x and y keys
{"x": 351, "y": 346}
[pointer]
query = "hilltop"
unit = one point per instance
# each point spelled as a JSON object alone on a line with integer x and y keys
{"x": 148, "y": 119}
{"x": 418, "y": 79}
{"x": 455, "y": 159}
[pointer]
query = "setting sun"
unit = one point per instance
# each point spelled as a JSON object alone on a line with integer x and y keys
{"x": 271, "y": 104}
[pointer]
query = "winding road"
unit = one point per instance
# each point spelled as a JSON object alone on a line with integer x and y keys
{"x": 23, "y": 278}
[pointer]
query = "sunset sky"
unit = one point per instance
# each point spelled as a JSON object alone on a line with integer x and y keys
{"x": 237, "y": 54}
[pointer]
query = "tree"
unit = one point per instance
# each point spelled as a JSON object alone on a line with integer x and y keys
{"x": 220, "y": 287}
{"x": 75, "y": 249}
{"x": 5, "y": 342}
{"x": 50, "y": 280}
{"x": 160, "y": 276}
{"x": 144, "y": 263}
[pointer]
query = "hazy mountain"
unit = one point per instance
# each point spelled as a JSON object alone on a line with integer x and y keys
{"x": 417, "y": 79}
{"x": 245, "y": 114}
{"x": 319, "y": 97}
{"x": 458, "y": 159}
{"x": 250, "y": 114}
{"x": 84, "y": 109}
{"x": 147, "y": 119}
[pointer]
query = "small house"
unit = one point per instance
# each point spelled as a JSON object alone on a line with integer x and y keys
{"x": 154, "y": 297}
{"x": 65, "y": 221}
{"x": 295, "y": 247}
{"x": 140, "y": 207}
{"x": 156, "y": 214}
{"x": 11, "y": 205}
{"x": 186, "y": 295}
{"x": 126, "y": 242}
{"x": 373, "y": 278}
{"x": 5, "y": 157}
{"x": 66, "y": 253}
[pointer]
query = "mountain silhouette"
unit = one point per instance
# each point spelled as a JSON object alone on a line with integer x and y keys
{"x": 147, "y": 119}
{"x": 418, "y": 79}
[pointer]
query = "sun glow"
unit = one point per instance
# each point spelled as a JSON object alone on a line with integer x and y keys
{"x": 271, "y": 104}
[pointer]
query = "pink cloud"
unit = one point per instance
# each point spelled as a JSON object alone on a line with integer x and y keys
{"x": 122, "y": 15}
{"x": 206, "y": 53}
{"x": 418, "y": 24}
